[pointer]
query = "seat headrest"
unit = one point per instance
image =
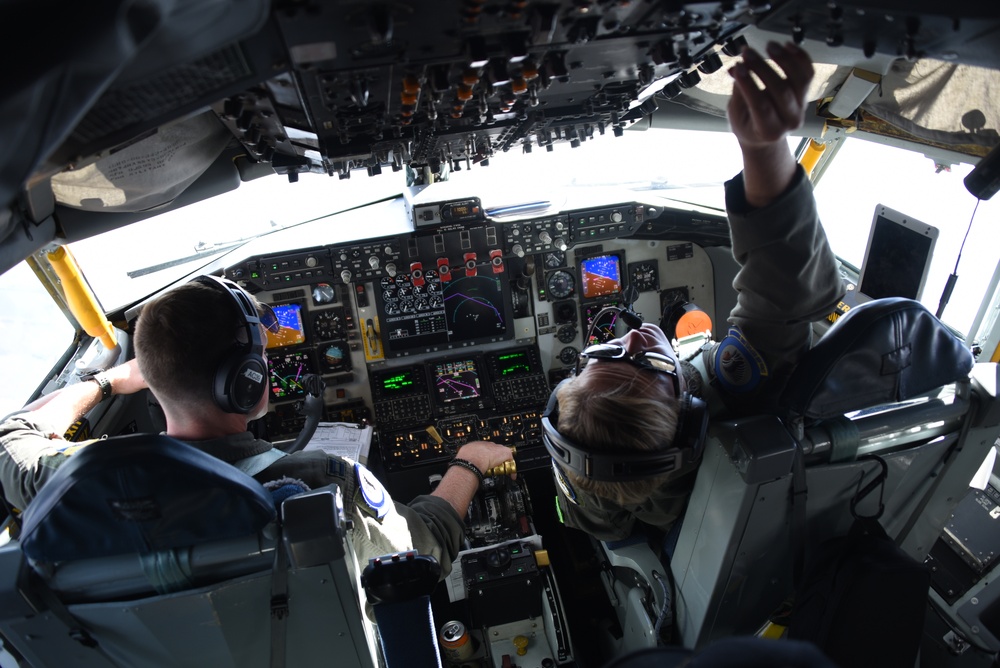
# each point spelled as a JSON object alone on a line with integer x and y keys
{"x": 881, "y": 352}
{"x": 140, "y": 494}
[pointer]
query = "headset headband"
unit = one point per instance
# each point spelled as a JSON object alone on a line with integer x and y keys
{"x": 604, "y": 465}
{"x": 250, "y": 317}
{"x": 242, "y": 377}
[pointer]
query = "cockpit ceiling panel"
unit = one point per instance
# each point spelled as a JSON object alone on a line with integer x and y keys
{"x": 331, "y": 86}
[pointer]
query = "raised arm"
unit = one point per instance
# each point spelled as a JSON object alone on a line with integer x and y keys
{"x": 60, "y": 408}
{"x": 789, "y": 276}
{"x": 761, "y": 118}
{"x": 31, "y": 442}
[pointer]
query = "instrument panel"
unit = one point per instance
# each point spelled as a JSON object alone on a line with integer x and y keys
{"x": 458, "y": 332}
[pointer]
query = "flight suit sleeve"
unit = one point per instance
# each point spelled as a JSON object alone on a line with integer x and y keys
{"x": 427, "y": 524}
{"x": 789, "y": 276}
{"x": 30, "y": 453}
{"x": 436, "y": 528}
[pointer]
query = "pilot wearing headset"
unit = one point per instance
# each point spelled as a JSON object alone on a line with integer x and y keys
{"x": 200, "y": 350}
{"x": 626, "y": 431}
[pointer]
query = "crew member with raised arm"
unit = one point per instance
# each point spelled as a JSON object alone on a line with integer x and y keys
{"x": 199, "y": 348}
{"x": 632, "y": 395}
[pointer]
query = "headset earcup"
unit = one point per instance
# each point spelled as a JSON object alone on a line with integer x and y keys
{"x": 692, "y": 422}
{"x": 240, "y": 383}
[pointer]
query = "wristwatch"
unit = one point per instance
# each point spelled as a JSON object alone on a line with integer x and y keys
{"x": 101, "y": 381}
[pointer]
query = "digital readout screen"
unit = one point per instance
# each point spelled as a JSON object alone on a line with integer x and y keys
{"x": 509, "y": 365}
{"x": 287, "y": 373}
{"x": 456, "y": 381}
{"x": 404, "y": 381}
{"x": 601, "y": 276}
{"x": 292, "y": 331}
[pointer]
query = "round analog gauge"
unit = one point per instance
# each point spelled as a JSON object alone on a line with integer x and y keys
{"x": 388, "y": 282}
{"x": 566, "y": 333}
{"x": 555, "y": 259}
{"x": 645, "y": 276}
{"x": 335, "y": 357}
{"x": 330, "y": 324}
{"x": 568, "y": 355}
{"x": 324, "y": 293}
{"x": 560, "y": 284}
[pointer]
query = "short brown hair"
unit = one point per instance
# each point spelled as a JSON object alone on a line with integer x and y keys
{"x": 181, "y": 339}
{"x": 628, "y": 416}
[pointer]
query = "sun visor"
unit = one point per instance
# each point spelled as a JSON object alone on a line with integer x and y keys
{"x": 148, "y": 173}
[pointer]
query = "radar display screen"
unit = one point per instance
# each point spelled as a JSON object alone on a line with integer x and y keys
{"x": 292, "y": 332}
{"x": 601, "y": 276}
{"x": 426, "y": 313}
{"x": 456, "y": 381}
{"x": 287, "y": 372}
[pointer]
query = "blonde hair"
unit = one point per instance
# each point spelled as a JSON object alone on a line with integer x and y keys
{"x": 628, "y": 414}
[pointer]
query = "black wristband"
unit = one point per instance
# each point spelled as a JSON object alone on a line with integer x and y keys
{"x": 468, "y": 466}
{"x": 102, "y": 383}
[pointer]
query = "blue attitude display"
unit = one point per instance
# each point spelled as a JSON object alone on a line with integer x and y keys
{"x": 292, "y": 331}
{"x": 601, "y": 276}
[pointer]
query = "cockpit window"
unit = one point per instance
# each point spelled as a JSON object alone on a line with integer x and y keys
{"x": 36, "y": 332}
{"x": 126, "y": 265}
{"x": 864, "y": 174}
{"x": 130, "y": 263}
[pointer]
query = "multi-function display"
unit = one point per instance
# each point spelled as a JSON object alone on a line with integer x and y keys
{"x": 425, "y": 312}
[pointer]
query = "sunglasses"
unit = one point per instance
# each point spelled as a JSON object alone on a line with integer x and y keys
{"x": 613, "y": 352}
{"x": 268, "y": 318}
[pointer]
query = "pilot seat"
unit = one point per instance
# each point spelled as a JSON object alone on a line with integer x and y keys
{"x": 889, "y": 379}
{"x": 144, "y": 551}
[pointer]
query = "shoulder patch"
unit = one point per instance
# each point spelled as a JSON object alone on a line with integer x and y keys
{"x": 738, "y": 367}
{"x": 567, "y": 489}
{"x": 336, "y": 467}
{"x": 370, "y": 496}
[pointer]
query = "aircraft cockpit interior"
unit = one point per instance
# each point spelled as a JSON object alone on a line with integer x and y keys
{"x": 418, "y": 310}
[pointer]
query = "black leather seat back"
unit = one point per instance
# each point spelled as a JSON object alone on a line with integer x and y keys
{"x": 883, "y": 351}
{"x": 140, "y": 494}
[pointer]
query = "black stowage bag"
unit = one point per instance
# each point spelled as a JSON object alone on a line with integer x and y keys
{"x": 863, "y": 600}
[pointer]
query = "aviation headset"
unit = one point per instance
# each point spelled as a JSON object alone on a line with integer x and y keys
{"x": 241, "y": 378}
{"x": 692, "y": 425}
